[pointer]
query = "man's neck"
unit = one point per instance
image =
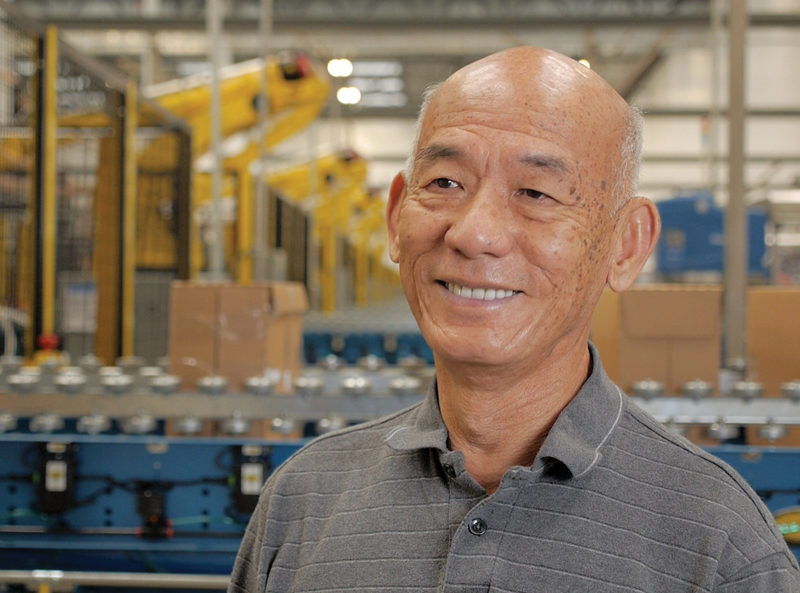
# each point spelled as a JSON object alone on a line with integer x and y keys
{"x": 499, "y": 420}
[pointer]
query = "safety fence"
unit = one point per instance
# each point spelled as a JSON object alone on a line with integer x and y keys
{"x": 94, "y": 200}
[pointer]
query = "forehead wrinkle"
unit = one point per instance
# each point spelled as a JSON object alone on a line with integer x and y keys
{"x": 548, "y": 162}
{"x": 435, "y": 152}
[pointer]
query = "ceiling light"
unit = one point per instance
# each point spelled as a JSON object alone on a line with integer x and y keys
{"x": 348, "y": 95}
{"x": 340, "y": 68}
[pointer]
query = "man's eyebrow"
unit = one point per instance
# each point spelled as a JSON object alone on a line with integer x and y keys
{"x": 434, "y": 152}
{"x": 546, "y": 161}
{"x": 556, "y": 164}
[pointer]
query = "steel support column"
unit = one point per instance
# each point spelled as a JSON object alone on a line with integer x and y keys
{"x": 46, "y": 207}
{"x": 128, "y": 223}
{"x": 260, "y": 251}
{"x": 214, "y": 28}
{"x": 736, "y": 248}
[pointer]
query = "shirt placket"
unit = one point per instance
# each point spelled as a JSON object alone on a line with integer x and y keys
{"x": 476, "y": 527}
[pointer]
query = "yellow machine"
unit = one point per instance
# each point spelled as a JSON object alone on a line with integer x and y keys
{"x": 296, "y": 95}
{"x": 343, "y": 208}
{"x": 331, "y": 189}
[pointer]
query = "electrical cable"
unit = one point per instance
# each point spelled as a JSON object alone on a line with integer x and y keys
{"x": 218, "y": 460}
{"x": 16, "y": 478}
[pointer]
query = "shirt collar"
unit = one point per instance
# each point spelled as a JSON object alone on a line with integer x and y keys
{"x": 423, "y": 428}
{"x": 574, "y": 440}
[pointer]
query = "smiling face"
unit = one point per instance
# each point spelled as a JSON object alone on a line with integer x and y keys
{"x": 503, "y": 232}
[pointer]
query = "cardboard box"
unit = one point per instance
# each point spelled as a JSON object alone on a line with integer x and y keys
{"x": 245, "y": 320}
{"x": 193, "y": 332}
{"x": 290, "y": 301}
{"x": 773, "y": 336}
{"x": 605, "y": 332}
{"x": 773, "y": 346}
{"x": 261, "y": 328}
{"x": 236, "y": 331}
{"x": 668, "y": 333}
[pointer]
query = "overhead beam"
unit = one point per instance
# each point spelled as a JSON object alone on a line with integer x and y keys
{"x": 376, "y": 23}
{"x": 640, "y": 71}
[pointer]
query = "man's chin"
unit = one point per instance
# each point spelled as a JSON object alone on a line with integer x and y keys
{"x": 463, "y": 350}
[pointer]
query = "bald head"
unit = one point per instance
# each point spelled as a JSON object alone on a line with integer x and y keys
{"x": 543, "y": 82}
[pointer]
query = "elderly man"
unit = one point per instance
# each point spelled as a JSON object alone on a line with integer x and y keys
{"x": 526, "y": 468}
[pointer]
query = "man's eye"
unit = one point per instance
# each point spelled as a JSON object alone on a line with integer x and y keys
{"x": 444, "y": 183}
{"x": 534, "y": 194}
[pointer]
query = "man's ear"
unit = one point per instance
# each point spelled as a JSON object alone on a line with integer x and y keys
{"x": 638, "y": 228}
{"x": 396, "y": 194}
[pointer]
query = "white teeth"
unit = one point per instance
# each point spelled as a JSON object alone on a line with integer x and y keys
{"x": 480, "y": 294}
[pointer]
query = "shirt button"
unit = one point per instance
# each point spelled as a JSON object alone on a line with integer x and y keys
{"x": 449, "y": 470}
{"x": 477, "y": 526}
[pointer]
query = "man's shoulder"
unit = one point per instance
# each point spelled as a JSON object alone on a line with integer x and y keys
{"x": 658, "y": 452}
{"x": 655, "y": 442}
{"x": 689, "y": 483}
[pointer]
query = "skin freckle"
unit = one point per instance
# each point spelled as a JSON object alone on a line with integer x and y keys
{"x": 603, "y": 184}
{"x": 572, "y": 191}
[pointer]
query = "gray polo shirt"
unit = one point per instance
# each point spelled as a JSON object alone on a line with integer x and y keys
{"x": 613, "y": 503}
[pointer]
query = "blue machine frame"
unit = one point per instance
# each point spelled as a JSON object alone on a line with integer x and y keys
{"x": 107, "y": 528}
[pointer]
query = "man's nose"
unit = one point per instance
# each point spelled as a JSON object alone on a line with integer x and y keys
{"x": 481, "y": 226}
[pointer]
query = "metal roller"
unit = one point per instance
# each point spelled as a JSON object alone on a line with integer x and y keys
{"x": 791, "y": 390}
{"x": 24, "y": 382}
{"x": 261, "y": 385}
{"x": 165, "y": 384}
{"x": 697, "y": 389}
{"x": 141, "y": 423}
{"x": 647, "y": 389}
{"x": 212, "y": 385}
{"x": 47, "y": 423}
{"x": 722, "y": 431}
{"x": 309, "y": 385}
{"x": 356, "y": 385}
{"x": 747, "y": 390}
{"x": 94, "y": 424}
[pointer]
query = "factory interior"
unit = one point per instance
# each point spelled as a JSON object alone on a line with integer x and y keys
{"x": 194, "y": 269}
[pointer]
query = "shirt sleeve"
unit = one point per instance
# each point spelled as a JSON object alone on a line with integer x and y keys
{"x": 776, "y": 572}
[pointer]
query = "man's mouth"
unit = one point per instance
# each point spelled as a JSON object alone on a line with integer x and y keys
{"x": 479, "y": 294}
